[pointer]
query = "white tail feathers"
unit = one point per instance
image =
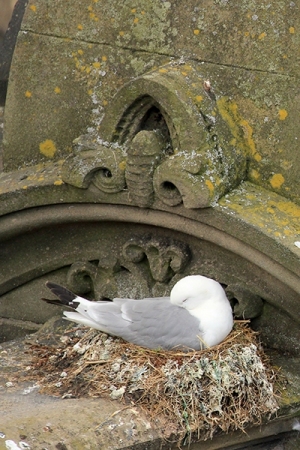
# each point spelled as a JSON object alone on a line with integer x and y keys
{"x": 83, "y": 320}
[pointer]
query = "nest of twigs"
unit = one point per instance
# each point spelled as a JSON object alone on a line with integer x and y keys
{"x": 223, "y": 388}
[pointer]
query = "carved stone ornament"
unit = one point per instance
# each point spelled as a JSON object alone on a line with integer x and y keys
{"x": 93, "y": 163}
{"x": 245, "y": 304}
{"x": 148, "y": 263}
{"x": 148, "y": 266}
{"x": 163, "y": 136}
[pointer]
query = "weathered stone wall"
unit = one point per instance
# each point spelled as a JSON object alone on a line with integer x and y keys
{"x": 185, "y": 117}
{"x": 221, "y": 82}
{"x": 70, "y": 61}
{"x": 6, "y": 8}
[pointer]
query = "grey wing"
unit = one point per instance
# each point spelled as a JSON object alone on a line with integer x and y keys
{"x": 159, "y": 324}
{"x": 114, "y": 317}
{"x": 153, "y": 323}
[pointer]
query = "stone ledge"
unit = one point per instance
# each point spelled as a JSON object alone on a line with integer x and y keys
{"x": 100, "y": 423}
{"x": 12, "y": 328}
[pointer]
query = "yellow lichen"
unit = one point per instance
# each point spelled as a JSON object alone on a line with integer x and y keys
{"x": 199, "y": 98}
{"x": 286, "y": 164}
{"x": 58, "y": 182}
{"x": 277, "y": 180}
{"x": 262, "y": 36}
{"x": 57, "y": 90}
{"x": 48, "y": 148}
{"x": 96, "y": 65}
{"x": 254, "y": 174}
{"x": 33, "y": 8}
{"x": 196, "y": 32}
{"x": 289, "y": 208}
{"x": 270, "y": 214}
{"x": 229, "y": 112}
{"x": 135, "y": 20}
{"x": 292, "y": 30}
{"x": 282, "y": 114}
{"x": 271, "y": 210}
{"x": 122, "y": 165}
{"x": 80, "y": 27}
{"x": 248, "y": 132}
{"x": 104, "y": 58}
{"x": 210, "y": 186}
{"x": 28, "y": 94}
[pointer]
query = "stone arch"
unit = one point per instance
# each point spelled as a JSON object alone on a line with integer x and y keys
{"x": 106, "y": 250}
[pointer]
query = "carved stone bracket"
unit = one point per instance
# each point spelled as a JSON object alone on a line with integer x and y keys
{"x": 163, "y": 136}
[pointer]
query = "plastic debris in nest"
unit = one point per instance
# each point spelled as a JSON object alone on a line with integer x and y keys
{"x": 224, "y": 388}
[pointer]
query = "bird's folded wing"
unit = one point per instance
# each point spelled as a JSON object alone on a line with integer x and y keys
{"x": 150, "y": 323}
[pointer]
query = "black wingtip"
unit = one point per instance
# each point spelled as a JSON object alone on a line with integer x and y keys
{"x": 65, "y": 296}
{"x": 52, "y": 301}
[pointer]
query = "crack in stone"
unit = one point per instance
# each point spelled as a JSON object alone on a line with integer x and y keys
{"x": 161, "y": 53}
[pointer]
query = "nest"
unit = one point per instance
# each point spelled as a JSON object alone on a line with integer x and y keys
{"x": 224, "y": 388}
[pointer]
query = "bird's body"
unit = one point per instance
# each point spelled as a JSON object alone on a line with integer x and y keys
{"x": 197, "y": 314}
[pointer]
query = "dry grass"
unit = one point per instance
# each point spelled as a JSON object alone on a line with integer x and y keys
{"x": 223, "y": 388}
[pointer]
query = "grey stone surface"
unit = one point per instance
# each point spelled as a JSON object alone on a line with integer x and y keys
{"x": 190, "y": 165}
{"x": 87, "y": 53}
{"x": 9, "y": 38}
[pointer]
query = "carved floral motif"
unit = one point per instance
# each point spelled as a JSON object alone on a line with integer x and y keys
{"x": 148, "y": 263}
{"x": 148, "y": 266}
{"x": 162, "y": 137}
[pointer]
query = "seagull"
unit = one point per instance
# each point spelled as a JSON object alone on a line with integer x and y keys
{"x": 197, "y": 315}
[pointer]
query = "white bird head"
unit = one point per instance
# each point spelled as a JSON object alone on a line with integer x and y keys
{"x": 194, "y": 290}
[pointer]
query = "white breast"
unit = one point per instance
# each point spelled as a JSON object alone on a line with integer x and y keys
{"x": 215, "y": 321}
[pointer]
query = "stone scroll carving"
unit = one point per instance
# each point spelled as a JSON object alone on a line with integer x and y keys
{"x": 147, "y": 263}
{"x": 163, "y": 137}
{"x": 97, "y": 164}
{"x": 149, "y": 266}
{"x": 165, "y": 258}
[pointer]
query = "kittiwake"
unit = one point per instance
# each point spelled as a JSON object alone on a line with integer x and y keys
{"x": 196, "y": 315}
